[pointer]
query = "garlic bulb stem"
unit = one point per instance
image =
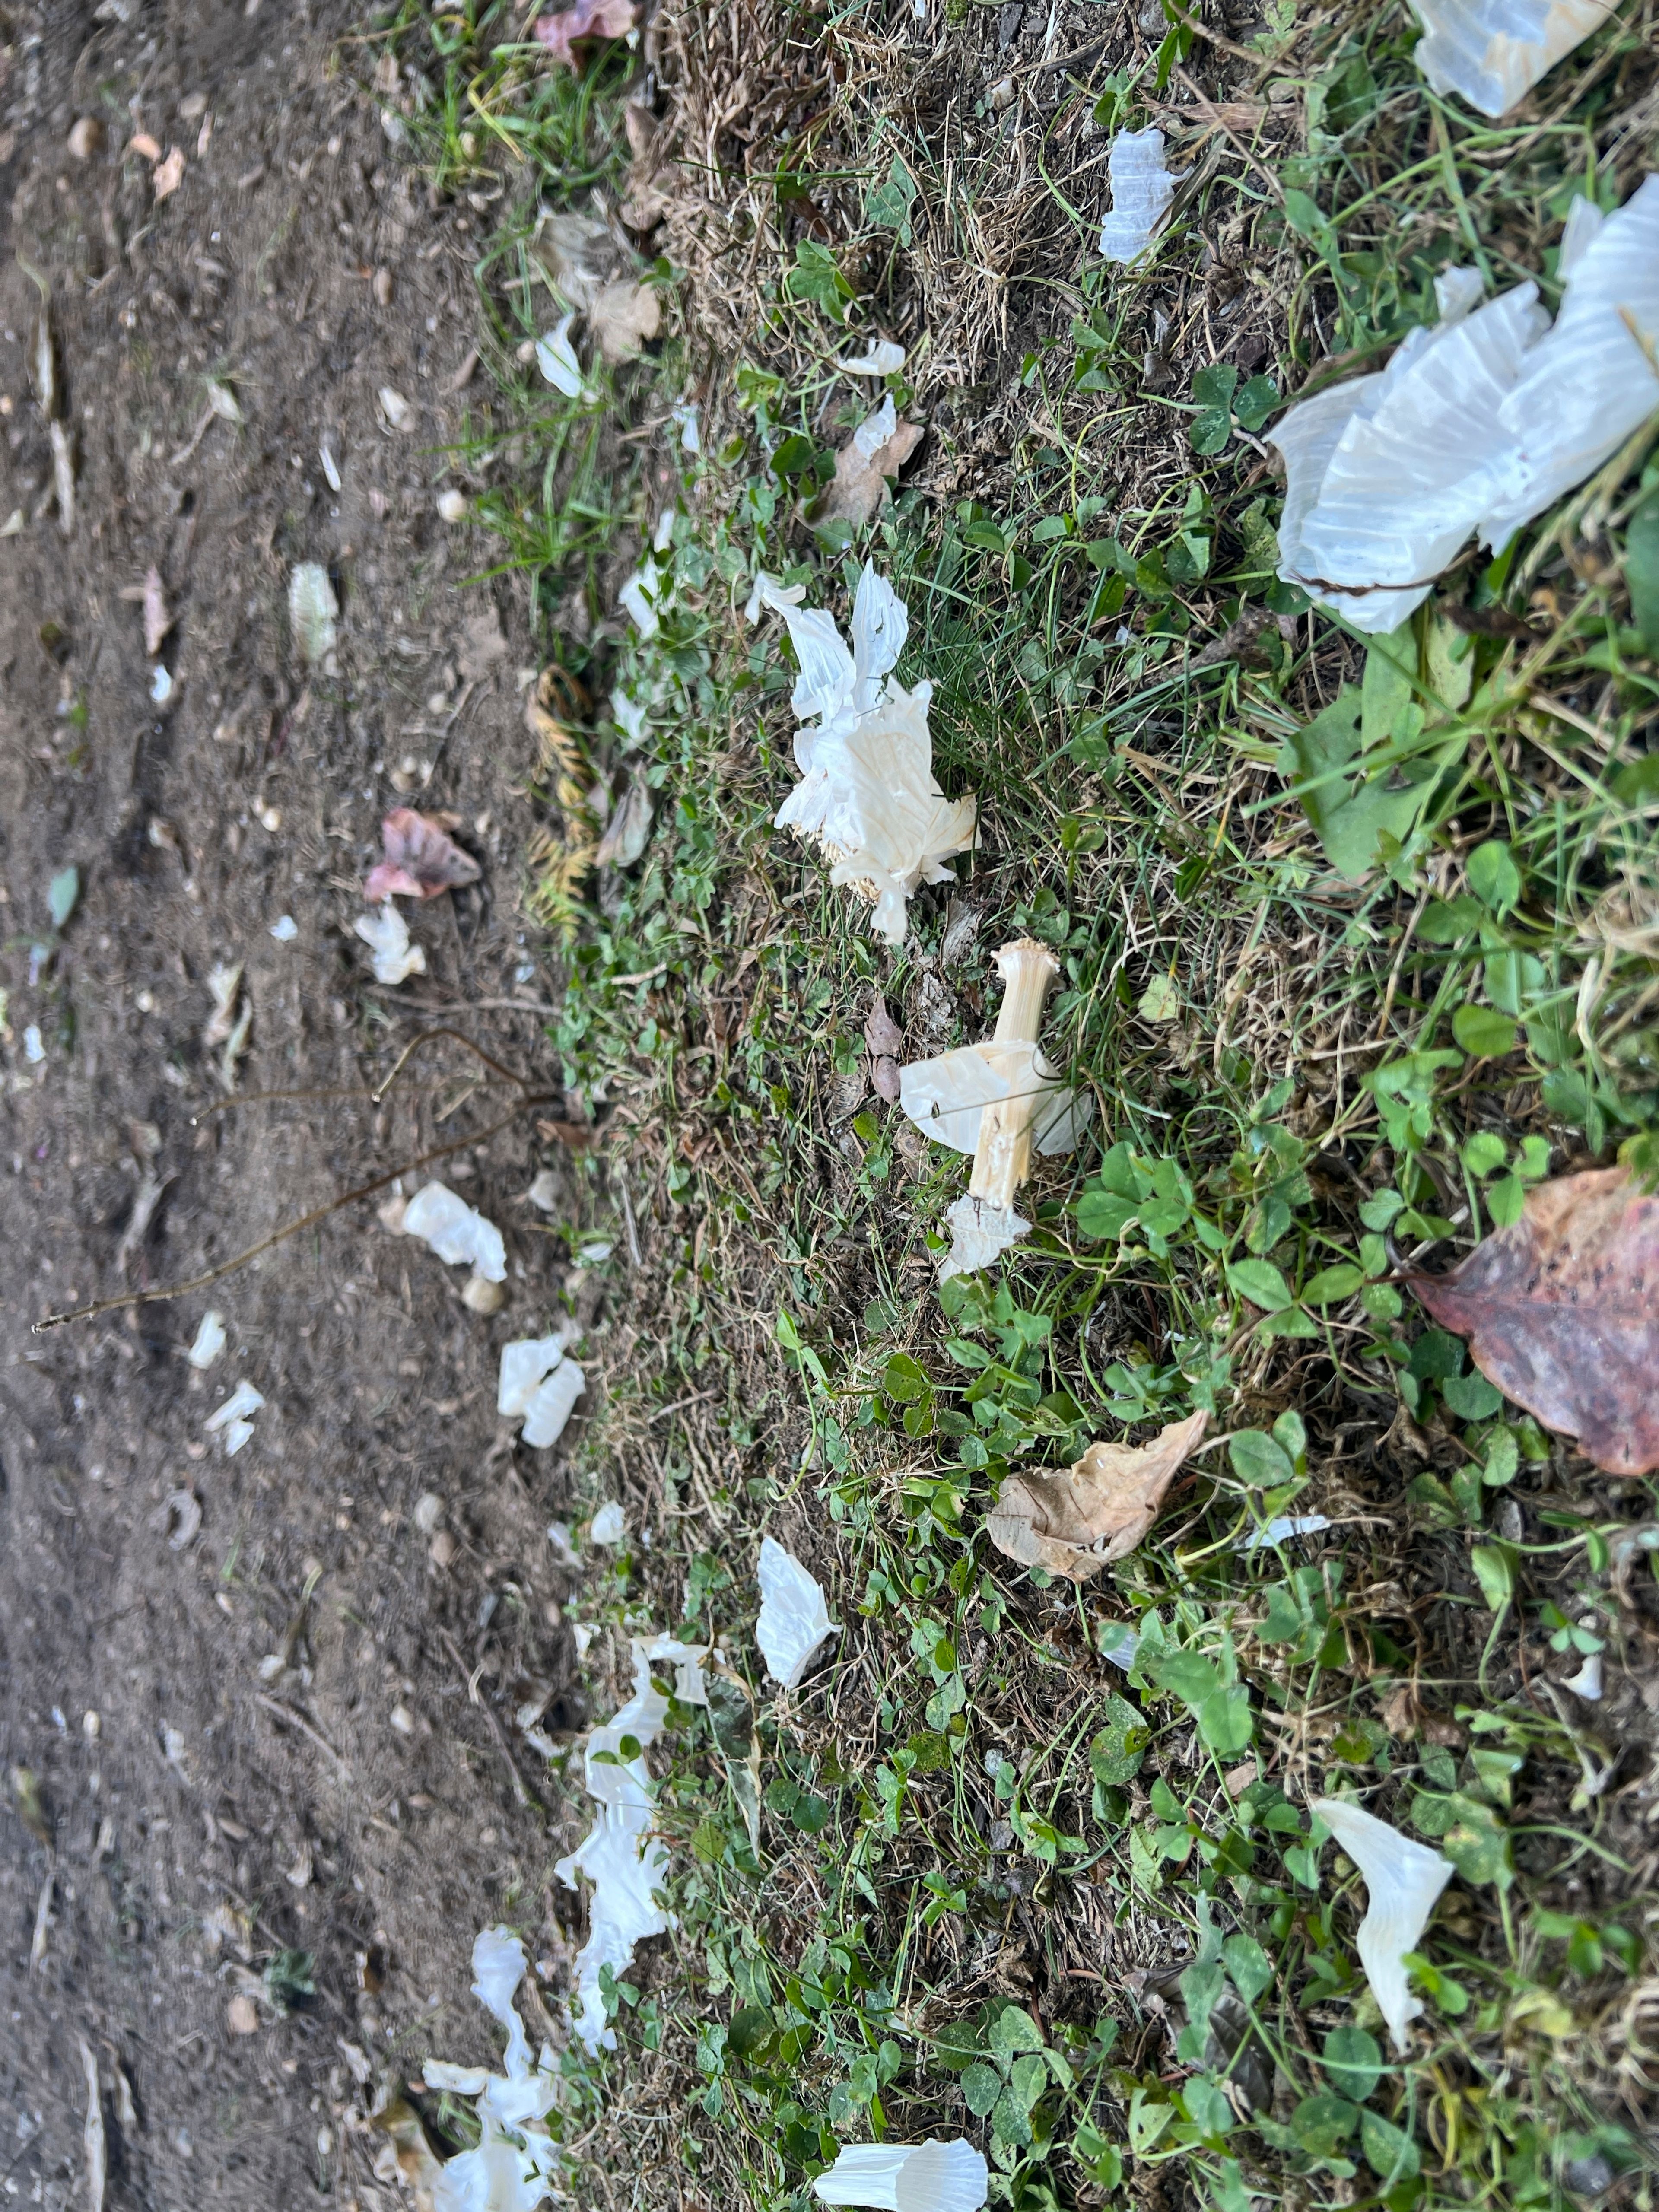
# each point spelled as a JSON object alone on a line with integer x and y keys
{"x": 1002, "y": 1158}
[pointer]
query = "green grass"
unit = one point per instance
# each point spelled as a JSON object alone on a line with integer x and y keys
{"x": 1004, "y": 1882}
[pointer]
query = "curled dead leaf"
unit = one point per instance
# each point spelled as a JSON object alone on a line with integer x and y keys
{"x": 1561, "y": 1311}
{"x": 587, "y": 19}
{"x": 168, "y": 175}
{"x": 623, "y": 317}
{"x": 881, "y": 1032}
{"x": 1074, "y": 1520}
{"x": 422, "y": 860}
{"x": 878, "y": 449}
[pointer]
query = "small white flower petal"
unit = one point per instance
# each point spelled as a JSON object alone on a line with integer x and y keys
{"x": 1403, "y": 1882}
{"x": 1587, "y": 1683}
{"x": 794, "y": 1620}
{"x": 1282, "y": 1528}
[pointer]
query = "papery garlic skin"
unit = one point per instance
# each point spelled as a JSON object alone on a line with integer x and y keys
{"x": 455, "y": 1232}
{"x": 1494, "y": 52}
{"x": 999, "y": 1099}
{"x": 512, "y": 2166}
{"x": 1403, "y": 1882}
{"x": 386, "y": 935}
{"x": 867, "y": 796}
{"x": 928, "y": 2177}
{"x": 1476, "y": 427}
{"x": 795, "y": 1618}
{"x": 1142, "y": 189}
{"x": 623, "y": 1862}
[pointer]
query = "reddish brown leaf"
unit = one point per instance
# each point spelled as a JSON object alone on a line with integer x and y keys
{"x": 1561, "y": 1310}
{"x": 421, "y": 860}
{"x": 1074, "y": 1520}
{"x": 881, "y": 1032}
{"x": 588, "y": 19}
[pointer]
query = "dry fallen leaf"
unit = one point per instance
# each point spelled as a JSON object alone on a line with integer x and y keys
{"x": 1561, "y": 1310}
{"x": 623, "y": 317}
{"x": 141, "y": 143}
{"x": 878, "y": 449}
{"x": 157, "y": 621}
{"x": 166, "y": 178}
{"x": 587, "y": 19}
{"x": 422, "y": 860}
{"x": 881, "y": 1032}
{"x": 1074, "y": 1520}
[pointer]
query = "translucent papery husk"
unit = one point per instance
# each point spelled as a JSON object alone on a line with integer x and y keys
{"x": 1409, "y": 479}
{"x": 795, "y": 1618}
{"x": 1142, "y": 189}
{"x": 1403, "y": 1882}
{"x": 867, "y": 796}
{"x": 981, "y": 1232}
{"x": 1494, "y": 52}
{"x": 946, "y": 1097}
{"x": 618, "y": 1855}
{"x": 511, "y": 2167}
{"x": 929, "y": 2176}
{"x": 1594, "y": 379}
{"x": 1477, "y": 427}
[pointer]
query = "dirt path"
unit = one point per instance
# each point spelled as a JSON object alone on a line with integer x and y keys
{"x": 207, "y": 1812}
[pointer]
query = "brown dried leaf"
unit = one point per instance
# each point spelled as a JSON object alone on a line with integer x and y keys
{"x": 157, "y": 621}
{"x": 881, "y": 1032}
{"x": 623, "y": 317}
{"x": 859, "y": 484}
{"x": 421, "y": 860}
{"x": 587, "y": 19}
{"x": 1561, "y": 1311}
{"x": 885, "y": 1079}
{"x": 1075, "y": 1521}
{"x": 166, "y": 178}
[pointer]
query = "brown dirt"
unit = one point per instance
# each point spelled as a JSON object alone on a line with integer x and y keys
{"x": 198, "y": 1824}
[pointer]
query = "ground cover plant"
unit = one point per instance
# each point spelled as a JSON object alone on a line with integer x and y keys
{"x": 1358, "y": 945}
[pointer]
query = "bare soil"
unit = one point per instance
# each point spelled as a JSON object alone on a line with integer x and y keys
{"x": 203, "y": 1814}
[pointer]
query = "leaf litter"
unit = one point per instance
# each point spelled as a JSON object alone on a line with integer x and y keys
{"x": 1073, "y": 1522}
{"x": 422, "y": 860}
{"x": 1561, "y": 1311}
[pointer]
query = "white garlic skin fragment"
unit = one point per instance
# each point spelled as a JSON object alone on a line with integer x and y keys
{"x": 551, "y": 1406}
{"x": 1142, "y": 189}
{"x": 455, "y": 1232}
{"x": 1403, "y": 1882}
{"x": 1494, "y": 52}
{"x": 929, "y": 2176}
{"x": 795, "y": 1618}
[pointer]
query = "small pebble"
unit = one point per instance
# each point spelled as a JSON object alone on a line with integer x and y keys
{"x": 443, "y": 1549}
{"x": 452, "y": 507}
{"x": 242, "y": 2016}
{"x": 382, "y": 287}
{"x": 86, "y": 139}
{"x": 285, "y": 929}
